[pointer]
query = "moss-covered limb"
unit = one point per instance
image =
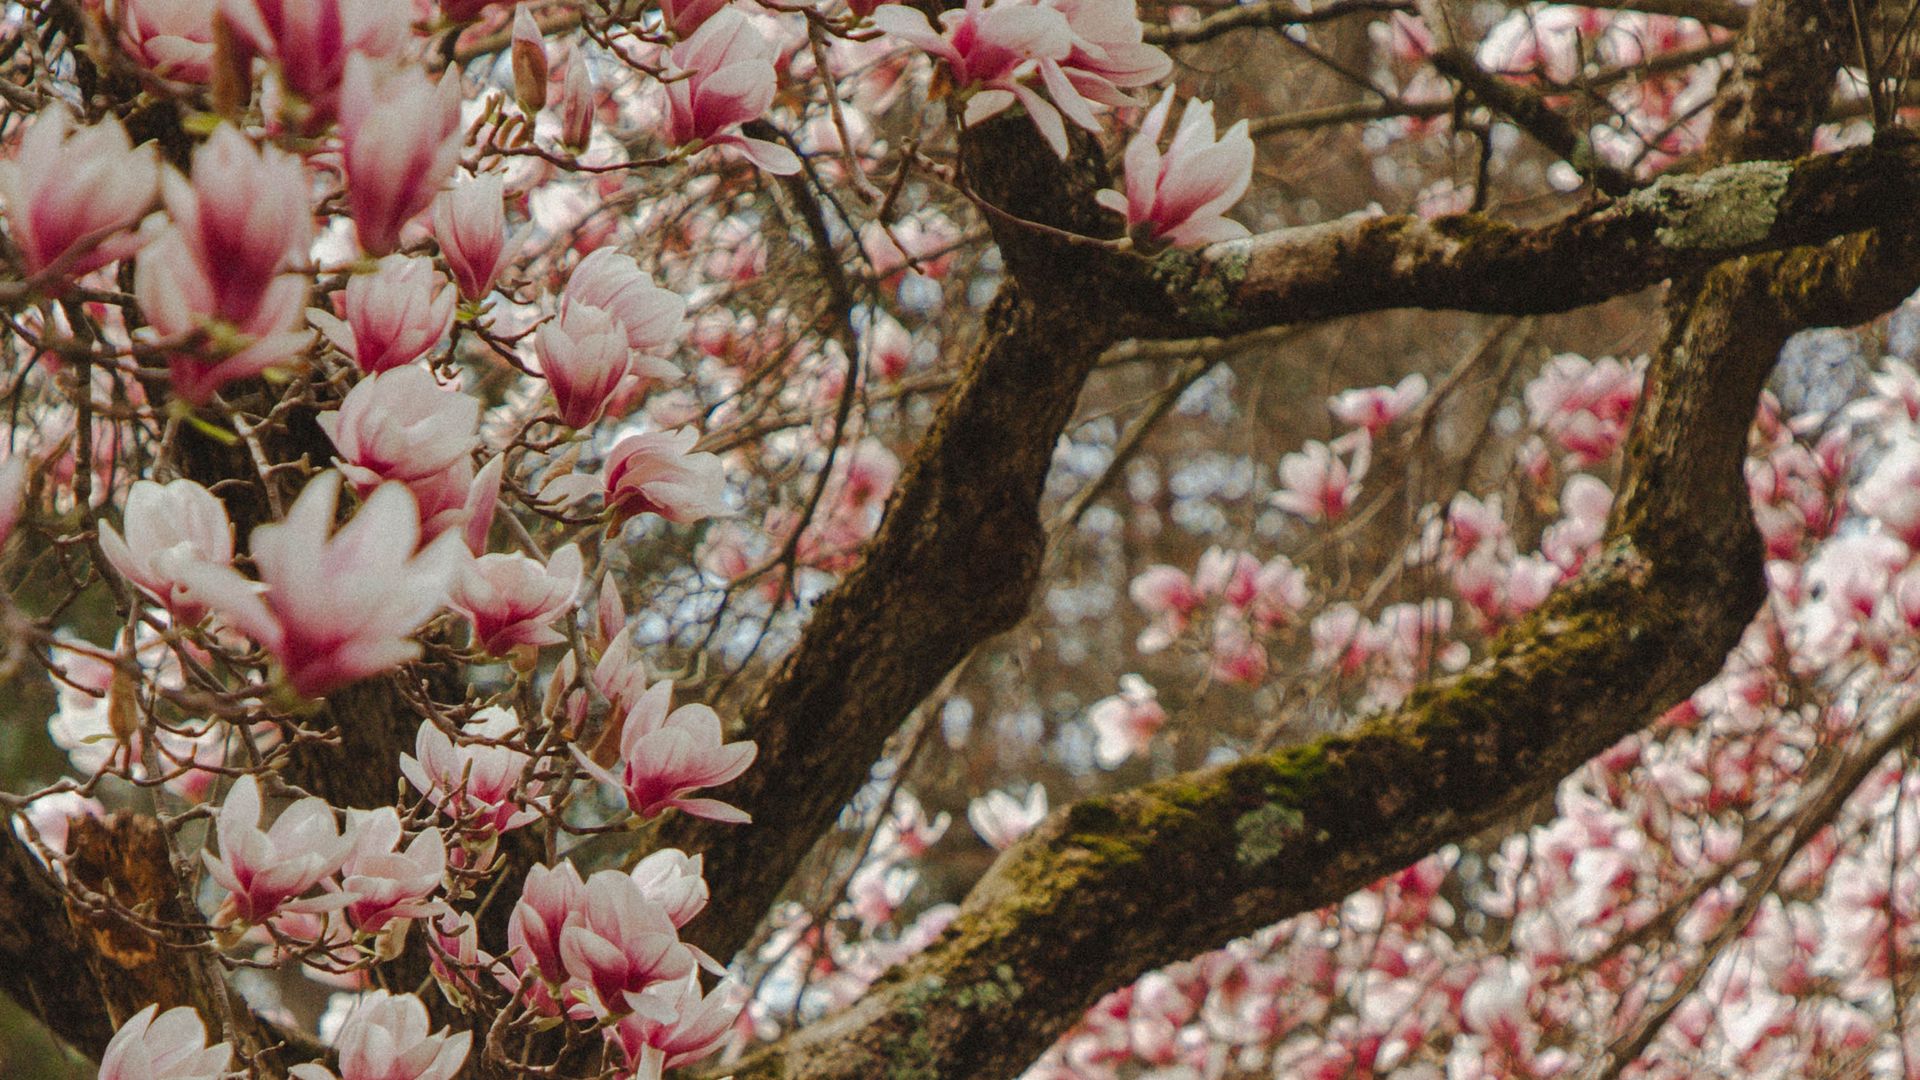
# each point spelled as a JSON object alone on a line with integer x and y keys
{"x": 1471, "y": 262}
{"x": 1114, "y": 886}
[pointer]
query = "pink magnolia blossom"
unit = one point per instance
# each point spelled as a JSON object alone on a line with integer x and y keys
{"x": 1343, "y": 639}
{"x": 694, "y": 1026}
{"x": 473, "y": 781}
{"x": 393, "y": 315}
{"x": 621, "y": 944}
{"x": 725, "y": 78}
{"x": 71, "y": 194}
{"x": 1317, "y": 484}
{"x": 388, "y": 883}
{"x": 265, "y": 870}
{"x": 675, "y": 881}
{"x": 455, "y": 955}
{"x": 46, "y": 822}
{"x": 1124, "y": 723}
{"x": 1585, "y": 502}
{"x": 1180, "y": 198}
{"x": 470, "y": 224}
{"x": 1280, "y": 593}
{"x": 404, "y": 426}
{"x": 620, "y": 675}
{"x": 651, "y": 317}
{"x": 1001, "y": 820}
{"x": 658, "y": 473}
{"x": 1891, "y": 492}
{"x": 650, "y": 474}
{"x": 1584, "y": 405}
{"x": 991, "y": 49}
{"x": 167, "y": 523}
{"x": 552, "y": 898}
{"x": 13, "y": 495}
{"x": 1472, "y": 523}
{"x": 171, "y": 38}
{"x": 1162, "y": 589}
{"x": 907, "y": 830}
{"x": 1109, "y": 52}
{"x": 476, "y": 513}
{"x": 1235, "y": 656}
{"x": 400, "y": 134}
{"x": 1168, "y": 594}
{"x": 512, "y": 600}
{"x": 1229, "y": 575}
{"x": 666, "y": 756}
{"x": 335, "y": 608}
{"x": 1376, "y": 407}
{"x": 584, "y": 355}
{"x": 244, "y": 216}
{"x": 215, "y": 275}
{"x": 181, "y": 305}
{"x": 171, "y": 1045}
{"x": 389, "y": 1037}
{"x": 312, "y": 43}
{"x": 889, "y": 347}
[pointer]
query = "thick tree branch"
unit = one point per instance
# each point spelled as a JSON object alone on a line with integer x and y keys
{"x": 1113, "y": 886}
{"x": 929, "y": 589}
{"x": 1470, "y": 262}
{"x": 45, "y": 965}
{"x": 954, "y": 562}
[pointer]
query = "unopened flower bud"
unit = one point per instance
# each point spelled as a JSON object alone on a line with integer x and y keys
{"x": 529, "y": 62}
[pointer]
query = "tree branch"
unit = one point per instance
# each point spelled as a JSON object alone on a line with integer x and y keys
{"x": 1470, "y": 262}
{"x": 955, "y": 559}
{"x": 1114, "y": 886}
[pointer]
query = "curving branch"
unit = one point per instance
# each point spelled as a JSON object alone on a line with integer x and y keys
{"x": 955, "y": 560}
{"x": 1114, "y": 886}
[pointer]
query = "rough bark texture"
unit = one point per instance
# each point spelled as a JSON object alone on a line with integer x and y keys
{"x": 1781, "y": 82}
{"x": 46, "y": 964}
{"x": 954, "y": 562}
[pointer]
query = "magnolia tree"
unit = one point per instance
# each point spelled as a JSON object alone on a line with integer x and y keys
{"x": 511, "y": 518}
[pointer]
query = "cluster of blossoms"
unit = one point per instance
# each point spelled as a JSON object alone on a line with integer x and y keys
{"x": 387, "y": 542}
